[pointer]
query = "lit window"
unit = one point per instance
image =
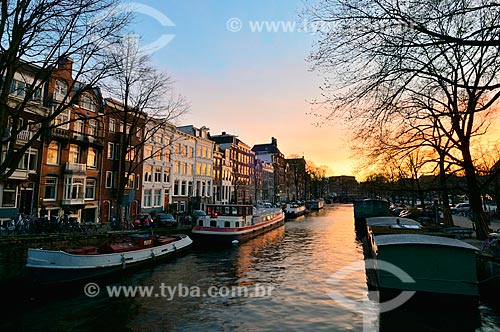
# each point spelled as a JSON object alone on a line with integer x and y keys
{"x": 74, "y": 154}
{"x": 92, "y": 158}
{"x": 53, "y": 153}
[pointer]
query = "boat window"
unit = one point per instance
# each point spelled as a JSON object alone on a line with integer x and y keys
{"x": 227, "y": 224}
{"x": 213, "y": 223}
{"x": 237, "y": 224}
{"x": 235, "y": 211}
{"x": 226, "y": 210}
{"x": 200, "y": 222}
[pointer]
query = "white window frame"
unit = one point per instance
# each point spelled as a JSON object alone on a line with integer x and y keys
{"x": 56, "y": 180}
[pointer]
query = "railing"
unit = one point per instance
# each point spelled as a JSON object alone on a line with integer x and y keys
{"x": 24, "y": 136}
{"x": 73, "y": 201}
{"x": 60, "y": 132}
{"x": 73, "y": 167}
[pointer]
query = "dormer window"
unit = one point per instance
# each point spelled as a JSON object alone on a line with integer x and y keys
{"x": 61, "y": 90}
{"x": 88, "y": 103}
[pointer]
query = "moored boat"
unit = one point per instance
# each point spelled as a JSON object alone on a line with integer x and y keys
{"x": 294, "y": 209}
{"x": 227, "y": 224}
{"x": 56, "y": 266}
{"x": 488, "y": 268}
{"x": 392, "y": 225}
{"x": 316, "y": 204}
{"x": 367, "y": 208}
{"x": 434, "y": 265}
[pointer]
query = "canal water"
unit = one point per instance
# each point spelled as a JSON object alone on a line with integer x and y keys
{"x": 306, "y": 276}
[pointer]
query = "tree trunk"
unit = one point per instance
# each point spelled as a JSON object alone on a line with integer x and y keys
{"x": 477, "y": 214}
{"x": 448, "y": 218}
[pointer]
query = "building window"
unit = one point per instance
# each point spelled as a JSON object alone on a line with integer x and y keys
{"x": 50, "y": 188}
{"x": 87, "y": 102}
{"x": 93, "y": 127}
{"x": 53, "y": 153}
{"x": 112, "y": 125}
{"x": 166, "y": 173}
{"x": 61, "y": 90}
{"x": 130, "y": 153}
{"x": 130, "y": 181}
{"x": 9, "y": 195}
{"x": 158, "y": 154}
{"x": 183, "y": 188}
{"x": 29, "y": 161}
{"x": 109, "y": 179}
{"x": 191, "y": 152}
{"x": 158, "y": 174}
{"x": 157, "y": 197}
{"x": 190, "y": 187}
{"x": 74, "y": 154}
{"x": 148, "y": 150}
{"x": 92, "y": 158}
{"x": 90, "y": 189}
{"x": 73, "y": 188}
{"x": 62, "y": 119}
{"x": 79, "y": 126}
{"x": 147, "y": 198}
{"x": 113, "y": 151}
{"x": 176, "y": 187}
{"x": 148, "y": 170}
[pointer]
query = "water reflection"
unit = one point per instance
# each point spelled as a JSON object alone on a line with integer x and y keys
{"x": 296, "y": 260}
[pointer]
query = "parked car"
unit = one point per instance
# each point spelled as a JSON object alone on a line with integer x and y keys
{"x": 197, "y": 215}
{"x": 165, "y": 220}
{"x": 142, "y": 220}
{"x": 460, "y": 208}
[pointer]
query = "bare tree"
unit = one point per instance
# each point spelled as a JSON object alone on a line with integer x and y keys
{"x": 147, "y": 104}
{"x": 36, "y": 36}
{"x": 390, "y": 65}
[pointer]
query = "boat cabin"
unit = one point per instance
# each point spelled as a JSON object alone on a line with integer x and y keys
{"x": 227, "y": 216}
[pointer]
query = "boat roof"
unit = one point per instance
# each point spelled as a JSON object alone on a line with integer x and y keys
{"x": 390, "y": 221}
{"x": 410, "y": 239}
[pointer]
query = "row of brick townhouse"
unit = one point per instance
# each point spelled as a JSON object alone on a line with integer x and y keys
{"x": 75, "y": 167}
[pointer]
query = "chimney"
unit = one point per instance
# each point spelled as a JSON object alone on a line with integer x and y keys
{"x": 274, "y": 141}
{"x": 65, "y": 63}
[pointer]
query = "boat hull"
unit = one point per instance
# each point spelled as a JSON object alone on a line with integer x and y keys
{"x": 437, "y": 265}
{"x": 488, "y": 273}
{"x": 48, "y": 267}
{"x": 225, "y": 237}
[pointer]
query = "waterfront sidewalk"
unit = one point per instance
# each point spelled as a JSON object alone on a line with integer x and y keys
{"x": 462, "y": 221}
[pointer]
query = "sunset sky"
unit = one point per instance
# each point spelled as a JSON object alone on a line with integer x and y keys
{"x": 256, "y": 85}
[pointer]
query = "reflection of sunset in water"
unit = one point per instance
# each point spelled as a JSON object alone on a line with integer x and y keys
{"x": 255, "y": 250}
